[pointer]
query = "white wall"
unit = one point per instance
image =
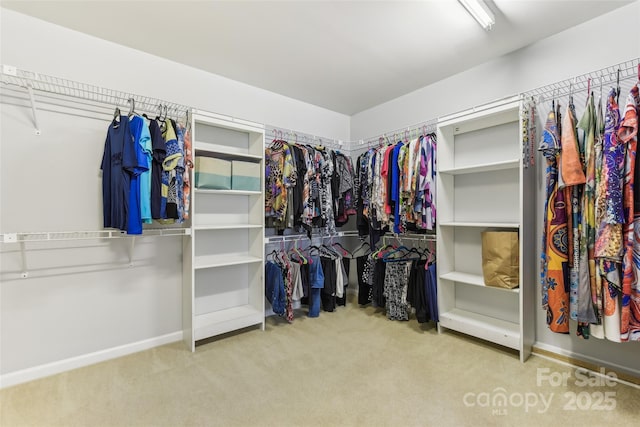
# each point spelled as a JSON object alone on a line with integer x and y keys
{"x": 604, "y": 41}
{"x": 83, "y": 297}
{"x": 609, "y": 39}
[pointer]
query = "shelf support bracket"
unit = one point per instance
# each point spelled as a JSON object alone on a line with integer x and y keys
{"x": 23, "y": 261}
{"x": 33, "y": 108}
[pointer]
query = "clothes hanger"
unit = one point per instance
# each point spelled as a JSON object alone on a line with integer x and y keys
{"x": 362, "y": 245}
{"x": 570, "y": 94}
{"x": 618, "y": 87}
{"x": 132, "y": 107}
{"x": 272, "y": 254}
{"x": 188, "y": 120}
{"x": 344, "y": 251}
{"x": 298, "y": 253}
{"x": 116, "y": 116}
{"x": 159, "y": 115}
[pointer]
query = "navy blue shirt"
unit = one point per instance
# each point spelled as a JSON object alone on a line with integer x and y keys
{"x": 118, "y": 163}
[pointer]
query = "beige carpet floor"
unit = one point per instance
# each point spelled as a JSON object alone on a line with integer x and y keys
{"x": 352, "y": 367}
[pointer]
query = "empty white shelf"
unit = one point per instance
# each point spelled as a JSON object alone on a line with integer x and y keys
{"x": 228, "y": 192}
{"x": 210, "y": 261}
{"x": 484, "y": 327}
{"x": 226, "y": 151}
{"x": 225, "y": 227}
{"x": 480, "y": 224}
{"x": 485, "y": 167}
{"x": 472, "y": 279}
{"x": 222, "y": 321}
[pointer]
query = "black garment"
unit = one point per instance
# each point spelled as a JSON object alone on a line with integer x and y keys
{"x": 364, "y": 289}
{"x": 159, "y": 147}
{"x": 304, "y": 274}
{"x": 377, "y": 290}
{"x": 362, "y": 223}
{"x": 416, "y": 295}
{"x": 346, "y": 262}
{"x": 298, "y": 190}
{"x": 390, "y": 202}
{"x": 328, "y": 294}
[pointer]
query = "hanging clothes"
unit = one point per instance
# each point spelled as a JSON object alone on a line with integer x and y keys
{"x": 630, "y": 309}
{"x": 395, "y": 189}
{"x": 171, "y": 178}
{"x": 396, "y": 282}
{"x": 587, "y": 307}
{"x": 186, "y": 176}
{"x": 307, "y": 187}
{"x": 274, "y": 287}
{"x": 159, "y": 147}
{"x": 609, "y": 246}
{"x": 554, "y": 255}
{"x": 118, "y": 164}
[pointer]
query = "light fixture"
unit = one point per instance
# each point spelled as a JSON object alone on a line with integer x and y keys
{"x": 480, "y": 12}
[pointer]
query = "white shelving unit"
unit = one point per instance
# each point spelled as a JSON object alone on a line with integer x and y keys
{"x": 483, "y": 185}
{"x": 223, "y": 257}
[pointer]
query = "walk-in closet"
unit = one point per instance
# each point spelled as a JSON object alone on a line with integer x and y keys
{"x": 331, "y": 213}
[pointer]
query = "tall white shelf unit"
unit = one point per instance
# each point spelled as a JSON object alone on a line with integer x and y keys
{"x": 223, "y": 256}
{"x": 483, "y": 185}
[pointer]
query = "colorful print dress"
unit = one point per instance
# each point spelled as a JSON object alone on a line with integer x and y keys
{"x": 554, "y": 262}
{"x": 630, "y": 307}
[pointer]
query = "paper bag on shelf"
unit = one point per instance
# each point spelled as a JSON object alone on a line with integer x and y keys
{"x": 500, "y": 259}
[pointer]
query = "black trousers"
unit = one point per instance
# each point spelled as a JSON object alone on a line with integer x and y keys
{"x": 328, "y": 294}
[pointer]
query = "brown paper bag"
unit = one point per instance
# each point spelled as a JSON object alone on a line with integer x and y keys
{"x": 500, "y": 260}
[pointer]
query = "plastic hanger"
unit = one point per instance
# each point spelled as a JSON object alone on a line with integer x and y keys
{"x": 132, "y": 107}
{"x": 345, "y": 253}
{"x": 116, "y": 116}
{"x": 362, "y": 245}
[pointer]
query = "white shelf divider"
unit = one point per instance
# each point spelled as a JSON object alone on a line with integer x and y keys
{"x": 227, "y": 151}
{"x": 485, "y": 327}
{"x": 227, "y": 320}
{"x": 227, "y": 192}
{"x": 211, "y": 261}
{"x": 480, "y": 224}
{"x": 485, "y": 167}
{"x": 472, "y": 279}
{"x": 225, "y": 227}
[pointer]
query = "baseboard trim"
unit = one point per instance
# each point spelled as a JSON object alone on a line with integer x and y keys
{"x": 623, "y": 372}
{"x": 41, "y": 371}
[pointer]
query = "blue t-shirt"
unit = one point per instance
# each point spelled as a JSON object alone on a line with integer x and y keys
{"x": 395, "y": 186}
{"x": 118, "y": 162}
{"x": 134, "y": 226}
{"x": 145, "y": 176}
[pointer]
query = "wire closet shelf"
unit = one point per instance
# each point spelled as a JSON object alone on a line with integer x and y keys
{"x": 59, "y": 92}
{"x": 608, "y": 76}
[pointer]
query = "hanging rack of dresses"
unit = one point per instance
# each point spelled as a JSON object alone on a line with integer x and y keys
{"x": 589, "y": 146}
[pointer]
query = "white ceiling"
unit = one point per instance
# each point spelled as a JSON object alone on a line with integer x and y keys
{"x": 346, "y": 56}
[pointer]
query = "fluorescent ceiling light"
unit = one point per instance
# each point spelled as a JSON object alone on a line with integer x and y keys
{"x": 480, "y": 12}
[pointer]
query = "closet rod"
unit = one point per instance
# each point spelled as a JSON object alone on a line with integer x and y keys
{"x": 604, "y": 76}
{"x": 46, "y": 86}
{"x": 294, "y": 237}
{"x": 429, "y": 126}
{"x": 290, "y": 135}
